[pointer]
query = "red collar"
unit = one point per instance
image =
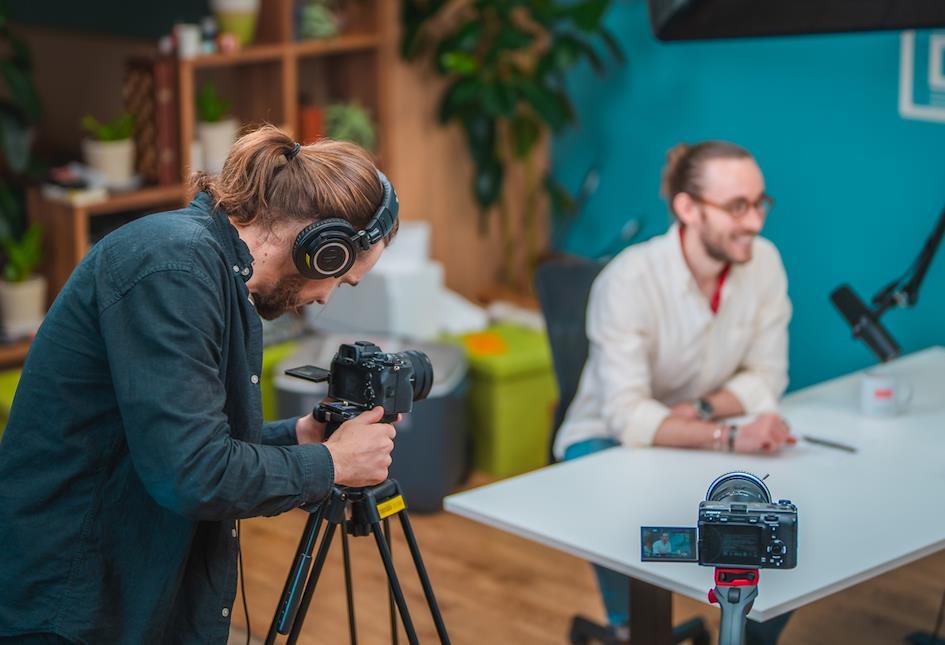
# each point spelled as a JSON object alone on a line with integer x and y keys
{"x": 716, "y": 300}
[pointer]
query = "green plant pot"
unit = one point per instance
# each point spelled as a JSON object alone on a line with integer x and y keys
{"x": 237, "y": 17}
{"x": 241, "y": 25}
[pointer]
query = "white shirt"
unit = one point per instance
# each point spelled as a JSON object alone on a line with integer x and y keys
{"x": 655, "y": 342}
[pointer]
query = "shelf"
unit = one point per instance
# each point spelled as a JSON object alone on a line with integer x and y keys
{"x": 254, "y": 54}
{"x": 274, "y": 52}
{"x": 139, "y": 199}
{"x": 341, "y": 44}
{"x": 13, "y": 354}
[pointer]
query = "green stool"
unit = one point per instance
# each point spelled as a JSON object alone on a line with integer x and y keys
{"x": 272, "y": 356}
{"x": 8, "y": 382}
{"x": 511, "y": 398}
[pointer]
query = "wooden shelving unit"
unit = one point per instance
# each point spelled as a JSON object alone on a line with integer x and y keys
{"x": 13, "y": 354}
{"x": 264, "y": 82}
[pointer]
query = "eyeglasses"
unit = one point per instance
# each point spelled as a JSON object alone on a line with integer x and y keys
{"x": 740, "y": 206}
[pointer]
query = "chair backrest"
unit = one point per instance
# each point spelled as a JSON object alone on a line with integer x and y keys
{"x": 563, "y": 287}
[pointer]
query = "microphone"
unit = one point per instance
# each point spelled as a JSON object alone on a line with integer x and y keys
{"x": 865, "y": 325}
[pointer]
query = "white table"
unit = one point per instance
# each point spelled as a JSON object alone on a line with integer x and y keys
{"x": 860, "y": 514}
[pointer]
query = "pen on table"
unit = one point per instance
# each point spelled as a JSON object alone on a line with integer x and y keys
{"x": 827, "y": 443}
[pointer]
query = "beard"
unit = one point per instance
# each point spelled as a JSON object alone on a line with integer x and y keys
{"x": 281, "y": 299}
{"x": 714, "y": 245}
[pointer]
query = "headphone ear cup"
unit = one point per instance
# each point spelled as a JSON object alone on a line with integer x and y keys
{"x": 325, "y": 249}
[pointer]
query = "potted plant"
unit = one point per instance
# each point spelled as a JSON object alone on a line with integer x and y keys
{"x": 22, "y": 292}
{"x": 506, "y": 65}
{"x": 237, "y": 17}
{"x": 318, "y": 20}
{"x": 216, "y": 130}
{"x": 350, "y": 122}
{"x": 110, "y": 150}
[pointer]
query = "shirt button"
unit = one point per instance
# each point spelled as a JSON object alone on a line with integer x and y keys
{"x": 234, "y": 532}
{"x": 254, "y": 379}
{"x": 226, "y": 612}
{"x": 236, "y": 269}
{"x": 245, "y": 271}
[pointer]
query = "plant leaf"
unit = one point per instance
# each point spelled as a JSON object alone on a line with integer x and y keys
{"x": 524, "y": 132}
{"x": 487, "y": 183}
{"x": 587, "y": 15}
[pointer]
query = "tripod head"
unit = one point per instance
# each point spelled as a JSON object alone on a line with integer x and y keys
{"x": 735, "y": 591}
{"x": 335, "y": 413}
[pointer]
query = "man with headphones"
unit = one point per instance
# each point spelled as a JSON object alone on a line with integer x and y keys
{"x": 136, "y": 439}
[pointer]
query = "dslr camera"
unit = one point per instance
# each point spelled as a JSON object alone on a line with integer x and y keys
{"x": 739, "y": 526}
{"x": 363, "y": 377}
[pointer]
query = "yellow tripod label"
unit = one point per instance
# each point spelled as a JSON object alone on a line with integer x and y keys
{"x": 391, "y": 506}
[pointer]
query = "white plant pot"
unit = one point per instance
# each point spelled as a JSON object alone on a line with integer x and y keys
{"x": 22, "y": 306}
{"x": 114, "y": 160}
{"x": 216, "y": 139}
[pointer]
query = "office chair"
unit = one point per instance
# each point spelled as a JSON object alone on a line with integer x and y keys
{"x": 563, "y": 287}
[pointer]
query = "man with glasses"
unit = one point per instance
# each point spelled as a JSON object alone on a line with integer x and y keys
{"x": 687, "y": 330}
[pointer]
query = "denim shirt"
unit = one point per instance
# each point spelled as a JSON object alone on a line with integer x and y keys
{"x": 136, "y": 440}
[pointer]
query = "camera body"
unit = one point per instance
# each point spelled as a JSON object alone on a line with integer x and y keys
{"x": 363, "y": 377}
{"x": 739, "y": 526}
{"x": 754, "y": 535}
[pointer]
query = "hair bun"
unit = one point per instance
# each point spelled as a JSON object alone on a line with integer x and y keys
{"x": 674, "y": 158}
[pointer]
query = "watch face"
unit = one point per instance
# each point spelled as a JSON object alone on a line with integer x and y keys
{"x": 704, "y": 408}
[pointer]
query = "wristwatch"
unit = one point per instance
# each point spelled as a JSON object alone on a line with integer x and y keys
{"x": 704, "y": 409}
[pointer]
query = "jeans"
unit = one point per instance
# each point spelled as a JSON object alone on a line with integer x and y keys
{"x": 615, "y": 587}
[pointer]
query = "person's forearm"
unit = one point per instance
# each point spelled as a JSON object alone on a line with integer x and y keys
{"x": 725, "y": 404}
{"x": 675, "y": 432}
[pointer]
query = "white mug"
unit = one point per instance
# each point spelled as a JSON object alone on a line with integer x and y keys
{"x": 883, "y": 395}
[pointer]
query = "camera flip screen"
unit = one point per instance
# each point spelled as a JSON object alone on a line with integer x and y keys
{"x": 662, "y": 543}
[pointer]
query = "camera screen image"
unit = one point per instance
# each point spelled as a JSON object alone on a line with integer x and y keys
{"x": 675, "y": 543}
{"x": 732, "y": 545}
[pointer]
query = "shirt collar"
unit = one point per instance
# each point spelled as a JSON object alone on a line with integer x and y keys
{"x": 237, "y": 252}
{"x": 680, "y": 275}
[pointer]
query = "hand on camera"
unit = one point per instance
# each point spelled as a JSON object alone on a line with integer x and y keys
{"x": 768, "y": 433}
{"x": 360, "y": 449}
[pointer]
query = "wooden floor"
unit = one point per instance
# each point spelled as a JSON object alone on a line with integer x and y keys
{"x": 496, "y": 588}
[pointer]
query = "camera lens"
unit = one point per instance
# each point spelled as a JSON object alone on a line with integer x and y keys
{"x": 738, "y": 486}
{"x": 422, "y": 372}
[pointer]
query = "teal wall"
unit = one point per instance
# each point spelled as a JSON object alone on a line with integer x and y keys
{"x": 857, "y": 188}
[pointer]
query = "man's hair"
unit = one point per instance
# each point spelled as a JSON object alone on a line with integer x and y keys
{"x": 685, "y": 164}
{"x": 260, "y": 184}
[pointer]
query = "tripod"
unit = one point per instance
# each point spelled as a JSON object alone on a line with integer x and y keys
{"x": 735, "y": 591}
{"x": 359, "y": 512}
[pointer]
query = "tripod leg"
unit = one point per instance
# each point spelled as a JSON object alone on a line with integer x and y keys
{"x": 424, "y": 578}
{"x": 390, "y": 594}
{"x": 395, "y": 584}
{"x": 299, "y": 617}
{"x": 297, "y": 574}
{"x": 349, "y": 591}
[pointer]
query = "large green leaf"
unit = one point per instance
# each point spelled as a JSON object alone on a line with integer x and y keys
{"x": 480, "y": 138}
{"x": 547, "y": 103}
{"x": 587, "y": 15}
{"x": 487, "y": 183}
{"x": 524, "y": 133}
{"x": 21, "y": 89}
{"x": 498, "y": 99}
{"x": 460, "y": 99}
{"x": 16, "y": 139}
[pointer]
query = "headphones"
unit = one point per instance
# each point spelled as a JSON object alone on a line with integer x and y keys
{"x": 329, "y": 248}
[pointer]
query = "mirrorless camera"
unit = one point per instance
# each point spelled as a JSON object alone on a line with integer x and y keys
{"x": 363, "y": 377}
{"x": 739, "y": 526}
